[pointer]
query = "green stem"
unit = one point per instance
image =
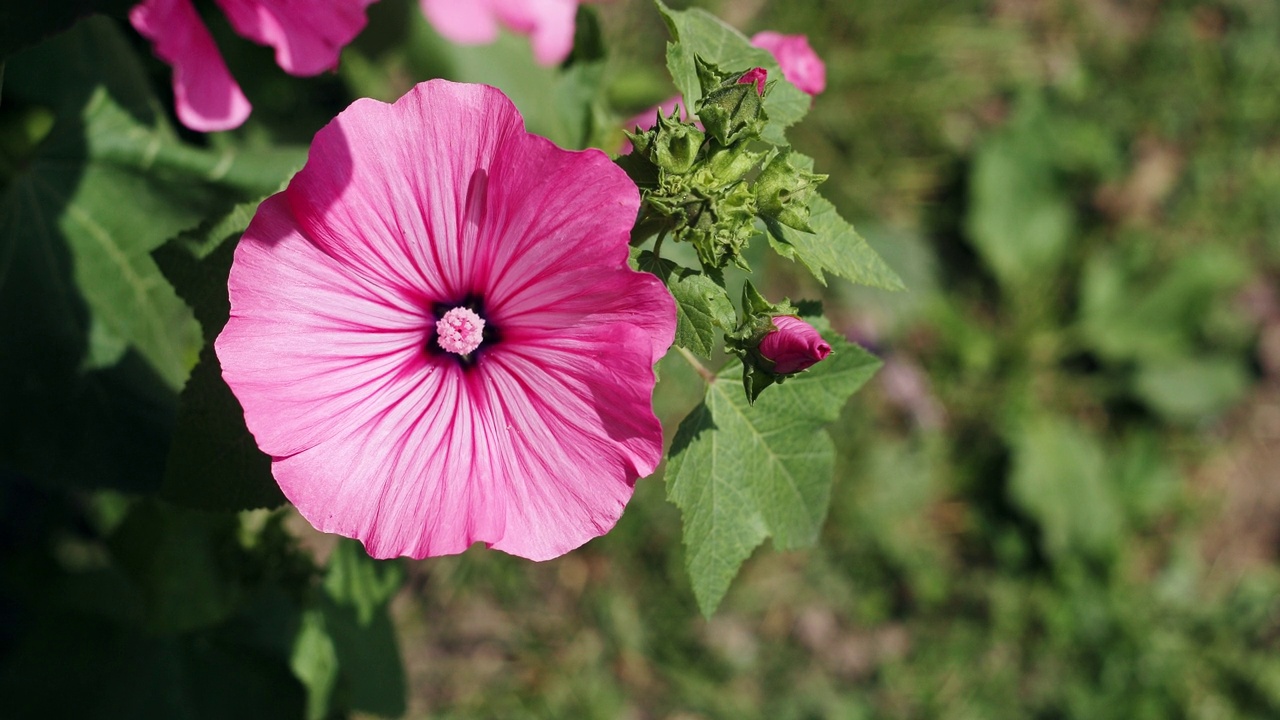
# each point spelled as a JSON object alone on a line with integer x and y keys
{"x": 657, "y": 245}
{"x": 702, "y": 370}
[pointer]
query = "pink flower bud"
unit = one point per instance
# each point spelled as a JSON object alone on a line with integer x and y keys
{"x": 794, "y": 346}
{"x": 755, "y": 75}
{"x": 800, "y": 65}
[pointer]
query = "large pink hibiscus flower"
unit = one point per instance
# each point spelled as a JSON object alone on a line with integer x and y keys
{"x": 548, "y": 23}
{"x": 307, "y": 35}
{"x": 435, "y": 335}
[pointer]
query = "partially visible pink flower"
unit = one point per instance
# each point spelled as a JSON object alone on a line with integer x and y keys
{"x": 307, "y": 36}
{"x": 756, "y": 75}
{"x": 794, "y": 346}
{"x": 435, "y": 334}
{"x": 800, "y": 65}
{"x": 548, "y": 23}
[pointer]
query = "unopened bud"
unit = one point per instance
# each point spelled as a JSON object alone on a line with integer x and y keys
{"x": 735, "y": 111}
{"x": 674, "y": 144}
{"x": 794, "y": 346}
{"x": 783, "y": 192}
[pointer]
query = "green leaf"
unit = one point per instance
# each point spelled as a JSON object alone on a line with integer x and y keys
{"x": 213, "y": 461}
{"x": 1059, "y": 478}
{"x": 358, "y": 581}
{"x": 358, "y": 590}
{"x": 834, "y": 247}
{"x": 94, "y": 179}
{"x": 1191, "y": 389}
{"x": 741, "y": 473}
{"x": 1020, "y": 219}
{"x": 315, "y": 663}
{"x": 701, "y": 304}
{"x": 699, "y": 33}
{"x": 183, "y": 561}
{"x": 23, "y": 24}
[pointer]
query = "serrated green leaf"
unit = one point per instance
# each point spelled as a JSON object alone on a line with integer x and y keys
{"x": 94, "y": 182}
{"x": 699, "y": 33}
{"x": 741, "y": 473}
{"x": 833, "y": 247}
{"x": 701, "y": 304}
{"x": 213, "y": 461}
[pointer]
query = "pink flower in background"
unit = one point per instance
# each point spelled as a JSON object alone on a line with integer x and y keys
{"x": 307, "y": 36}
{"x": 794, "y": 346}
{"x": 548, "y": 23}
{"x": 800, "y": 65}
{"x": 435, "y": 334}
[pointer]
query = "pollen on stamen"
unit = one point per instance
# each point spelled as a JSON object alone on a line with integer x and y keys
{"x": 460, "y": 331}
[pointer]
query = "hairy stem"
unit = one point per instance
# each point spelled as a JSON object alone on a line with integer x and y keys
{"x": 706, "y": 374}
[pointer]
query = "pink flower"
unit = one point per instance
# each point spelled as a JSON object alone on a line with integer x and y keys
{"x": 800, "y": 65}
{"x": 549, "y": 23}
{"x": 307, "y": 35}
{"x": 794, "y": 346}
{"x": 435, "y": 335}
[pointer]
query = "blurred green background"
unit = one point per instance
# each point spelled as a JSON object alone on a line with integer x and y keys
{"x": 1058, "y": 498}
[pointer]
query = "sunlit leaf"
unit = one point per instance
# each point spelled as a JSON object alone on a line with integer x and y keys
{"x": 742, "y": 473}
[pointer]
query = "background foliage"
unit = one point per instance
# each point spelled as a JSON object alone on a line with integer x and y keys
{"x": 1057, "y": 499}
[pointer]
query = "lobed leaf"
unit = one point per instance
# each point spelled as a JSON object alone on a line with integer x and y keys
{"x": 833, "y": 247}
{"x": 702, "y": 305}
{"x": 741, "y": 473}
{"x": 213, "y": 461}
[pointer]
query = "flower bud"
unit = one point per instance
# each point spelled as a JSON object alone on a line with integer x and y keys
{"x": 794, "y": 346}
{"x": 783, "y": 192}
{"x": 735, "y": 110}
{"x": 726, "y": 166}
{"x": 675, "y": 144}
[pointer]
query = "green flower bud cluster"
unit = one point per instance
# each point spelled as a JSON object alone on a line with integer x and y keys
{"x": 698, "y": 180}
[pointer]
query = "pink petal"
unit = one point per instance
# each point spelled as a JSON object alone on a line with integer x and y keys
{"x": 525, "y": 459}
{"x": 800, "y": 65}
{"x": 309, "y": 342}
{"x": 405, "y": 207}
{"x": 206, "y": 96}
{"x": 470, "y": 22}
{"x": 308, "y": 35}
